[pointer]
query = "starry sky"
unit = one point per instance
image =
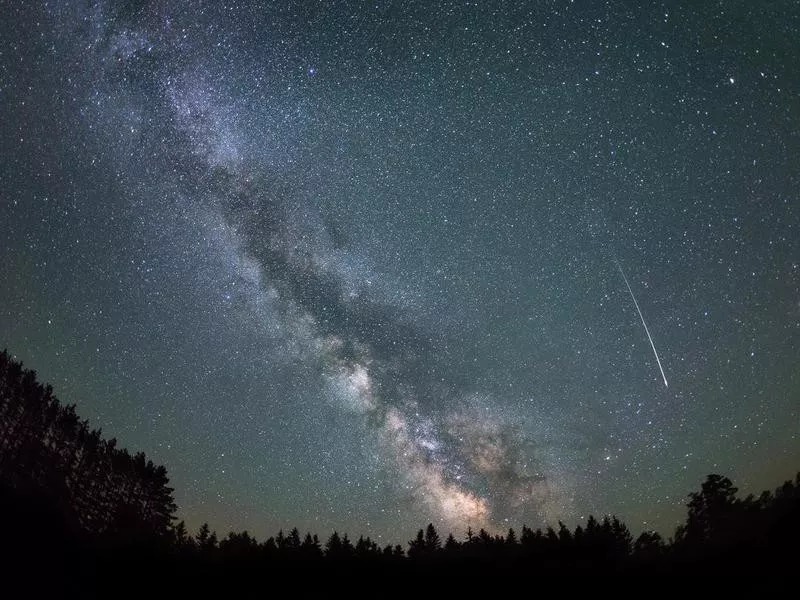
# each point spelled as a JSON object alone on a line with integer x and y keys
{"x": 361, "y": 265}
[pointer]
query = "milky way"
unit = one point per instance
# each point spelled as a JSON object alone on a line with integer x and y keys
{"x": 348, "y": 266}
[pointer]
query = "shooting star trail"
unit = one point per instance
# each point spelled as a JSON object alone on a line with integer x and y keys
{"x": 641, "y": 316}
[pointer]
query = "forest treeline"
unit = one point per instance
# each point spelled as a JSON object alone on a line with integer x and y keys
{"x": 68, "y": 494}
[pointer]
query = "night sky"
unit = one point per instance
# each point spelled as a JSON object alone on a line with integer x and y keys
{"x": 361, "y": 265}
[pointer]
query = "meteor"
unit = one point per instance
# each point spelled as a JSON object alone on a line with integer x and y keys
{"x": 641, "y": 316}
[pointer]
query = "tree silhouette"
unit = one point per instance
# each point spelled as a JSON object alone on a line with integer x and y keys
{"x": 206, "y": 539}
{"x": 238, "y": 546}
{"x": 709, "y": 510}
{"x": 432, "y": 541}
{"x": 649, "y": 545}
{"x": 511, "y": 537}
{"x": 311, "y": 548}
{"x": 416, "y": 547}
{"x": 366, "y": 548}
{"x": 347, "y": 547}
{"x": 333, "y": 547}
{"x": 293, "y": 541}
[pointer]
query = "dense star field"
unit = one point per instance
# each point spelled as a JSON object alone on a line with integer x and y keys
{"x": 361, "y": 265}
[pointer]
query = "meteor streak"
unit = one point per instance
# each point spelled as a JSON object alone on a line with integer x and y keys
{"x": 641, "y": 316}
